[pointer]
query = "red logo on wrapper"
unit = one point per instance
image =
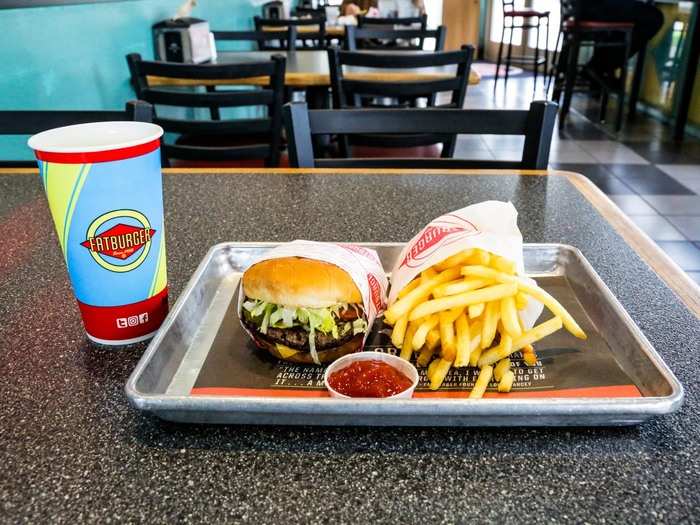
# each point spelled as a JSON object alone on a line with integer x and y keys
{"x": 369, "y": 254}
{"x": 375, "y": 290}
{"x": 431, "y": 238}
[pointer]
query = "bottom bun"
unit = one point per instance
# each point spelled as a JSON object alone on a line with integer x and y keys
{"x": 302, "y": 356}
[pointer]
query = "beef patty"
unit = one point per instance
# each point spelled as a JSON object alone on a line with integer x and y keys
{"x": 298, "y": 338}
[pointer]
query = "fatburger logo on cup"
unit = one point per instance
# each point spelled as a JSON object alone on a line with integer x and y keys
{"x": 489, "y": 225}
{"x": 122, "y": 241}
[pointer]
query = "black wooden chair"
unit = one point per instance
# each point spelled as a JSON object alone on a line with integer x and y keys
{"x": 354, "y": 93}
{"x": 216, "y": 140}
{"x": 420, "y": 21}
{"x": 30, "y": 122}
{"x": 577, "y": 33}
{"x": 414, "y": 22}
{"x": 283, "y": 40}
{"x": 311, "y": 32}
{"x": 536, "y": 124}
{"x": 524, "y": 19}
{"x": 390, "y": 39}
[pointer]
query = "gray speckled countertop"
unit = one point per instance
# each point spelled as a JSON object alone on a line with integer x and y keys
{"x": 72, "y": 450}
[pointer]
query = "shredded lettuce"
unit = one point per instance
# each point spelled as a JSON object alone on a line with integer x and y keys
{"x": 324, "y": 320}
{"x": 359, "y": 326}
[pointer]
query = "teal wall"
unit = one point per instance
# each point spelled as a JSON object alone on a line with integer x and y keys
{"x": 72, "y": 57}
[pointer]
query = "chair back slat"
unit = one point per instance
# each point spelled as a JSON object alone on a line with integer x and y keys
{"x": 222, "y": 99}
{"x": 473, "y": 121}
{"x": 423, "y": 89}
{"x": 215, "y": 127}
{"x": 403, "y": 39}
{"x": 535, "y": 124}
{"x": 286, "y": 38}
{"x": 204, "y": 71}
{"x": 30, "y": 122}
{"x": 397, "y": 60}
{"x": 213, "y": 154}
{"x": 421, "y": 21}
{"x": 196, "y": 131}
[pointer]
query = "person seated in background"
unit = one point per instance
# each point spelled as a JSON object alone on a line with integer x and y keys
{"x": 647, "y": 20}
{"x": 400, "y": 8}
{"x": 358, "y": 7}
{"x": 383, "y": 8}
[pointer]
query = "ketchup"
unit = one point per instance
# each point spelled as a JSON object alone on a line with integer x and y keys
{"x": 370, "y": 378}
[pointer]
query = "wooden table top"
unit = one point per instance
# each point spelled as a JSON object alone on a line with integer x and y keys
{"x": 310, "y": 68}
{"x": 332, "y": 31}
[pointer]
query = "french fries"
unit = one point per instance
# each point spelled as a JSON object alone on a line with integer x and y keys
{"x": 407, "y": 345}
{"x": 481, "y": 382}
{"x": 475, "y": 310}
{"x": 529, "y": 355}
{"x": 439, "y": 373}
{"x": 463, "y": 340}
{"x": 506, "y": 382}
{"x": 534, "y": 291}
{"x": 423, "y": 330}
{"x": 488, "y": 294}
{"x": 501, "y": 368}
{"x": 420, "y": 293}
{"x": 466, "y": 311}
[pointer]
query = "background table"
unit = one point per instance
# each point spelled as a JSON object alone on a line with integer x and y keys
{"x": 310, "y": 69}
{"x": 72, "y": 449}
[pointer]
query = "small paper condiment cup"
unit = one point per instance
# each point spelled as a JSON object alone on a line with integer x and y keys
{"x": 401, "y": 365}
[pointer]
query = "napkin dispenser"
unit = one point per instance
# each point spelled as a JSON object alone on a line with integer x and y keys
{"x": 182, "y": 40}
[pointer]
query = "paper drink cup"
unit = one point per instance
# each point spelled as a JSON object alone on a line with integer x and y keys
{"x": 104, "y": 186}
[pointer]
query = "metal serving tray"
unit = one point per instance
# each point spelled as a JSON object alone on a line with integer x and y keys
{"x": 163, "y": 380}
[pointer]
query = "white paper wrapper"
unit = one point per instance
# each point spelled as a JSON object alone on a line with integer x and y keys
{"x": 489, "y": 225}
{"x": 362, "y": 264}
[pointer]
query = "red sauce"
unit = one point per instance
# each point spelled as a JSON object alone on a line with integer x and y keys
{"x": 371, "y": 378}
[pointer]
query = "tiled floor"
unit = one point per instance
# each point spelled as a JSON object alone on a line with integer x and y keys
{"x": 655, "y": 181}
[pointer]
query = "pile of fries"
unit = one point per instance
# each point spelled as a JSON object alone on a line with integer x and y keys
{"x": 464, "y": 311}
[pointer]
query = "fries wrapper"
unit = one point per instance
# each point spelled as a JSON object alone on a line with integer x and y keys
{"x": 489, "y": 225}
{"x": 362, "y": 264}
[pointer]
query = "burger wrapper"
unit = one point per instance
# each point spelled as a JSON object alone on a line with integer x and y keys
{"x": 362, "y": 264}
{"x": 489, "y": 225}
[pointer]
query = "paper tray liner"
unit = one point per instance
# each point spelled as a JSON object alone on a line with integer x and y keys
{"x": 566, "y": 367}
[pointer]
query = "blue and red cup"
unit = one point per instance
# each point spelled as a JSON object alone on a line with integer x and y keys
{"x": 105, "y": 190}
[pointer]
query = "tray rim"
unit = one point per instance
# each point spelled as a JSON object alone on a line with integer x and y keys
{"x": 643, "y": 406}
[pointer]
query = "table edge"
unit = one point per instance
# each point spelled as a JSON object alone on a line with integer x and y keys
{"x": 687, "y": 290}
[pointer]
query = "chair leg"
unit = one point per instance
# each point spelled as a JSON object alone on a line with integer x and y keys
{"x": 448, "y": 147}
{"x": 500, "y": 54}
{"x": 546, "y": 55}
{"x": 604, "y": 95}
{"x": 623, "y": 83}
{"x": 537, "y": 53}
{"x": 509, "y": 54}
{"x": 559, "y": 74}
{"x": 553, "y": 71}
{"x": 570, "y": 78}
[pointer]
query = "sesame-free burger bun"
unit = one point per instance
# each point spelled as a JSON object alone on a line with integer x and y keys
{"x": 295, "y": 281}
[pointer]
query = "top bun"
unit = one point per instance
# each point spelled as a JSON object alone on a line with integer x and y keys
{"x": 299, "y": 282}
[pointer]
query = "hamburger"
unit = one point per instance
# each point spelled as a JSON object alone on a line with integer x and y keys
{"x": 303, "y": 310}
